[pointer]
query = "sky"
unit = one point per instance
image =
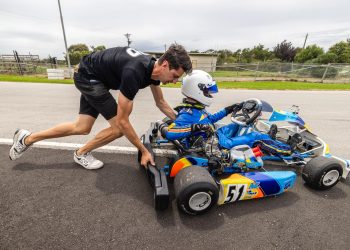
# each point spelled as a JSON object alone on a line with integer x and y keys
{"x": 33, "y": 26}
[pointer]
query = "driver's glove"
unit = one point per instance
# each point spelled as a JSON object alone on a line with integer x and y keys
{"x": 202, "y": 127}
{"x": 234, "y": 107}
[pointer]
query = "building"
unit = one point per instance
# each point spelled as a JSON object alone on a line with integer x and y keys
{"x": 203, "y": 61}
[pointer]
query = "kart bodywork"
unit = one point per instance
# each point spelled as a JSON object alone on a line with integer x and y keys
{"x": 230, "y": 185}
{"x": 205, "y": 175}
{"x": 312, "y": 146}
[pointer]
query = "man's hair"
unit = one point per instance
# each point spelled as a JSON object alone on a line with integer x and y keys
{"x": 177, "y": 57}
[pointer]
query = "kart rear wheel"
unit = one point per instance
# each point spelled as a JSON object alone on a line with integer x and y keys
{"x": 195, "y": 190}
{"x": 322, "y": 173}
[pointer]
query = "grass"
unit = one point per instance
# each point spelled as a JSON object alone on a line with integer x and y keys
{"x": 40, "y": 79}
{"x": 271, "y": 85}
{"x": 277, "y": 85}
{"x": 244, "y": 73}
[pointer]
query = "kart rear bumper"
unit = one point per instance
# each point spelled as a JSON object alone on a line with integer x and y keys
{"x": 157, "y": 178}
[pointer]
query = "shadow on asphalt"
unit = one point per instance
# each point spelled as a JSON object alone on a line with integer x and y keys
{"x": 335, "y": 193}
{"x": 30, "y": 166}
{"x": 235, "y": 210}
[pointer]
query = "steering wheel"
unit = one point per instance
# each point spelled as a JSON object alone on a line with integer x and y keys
{"x": 246, "y": 115}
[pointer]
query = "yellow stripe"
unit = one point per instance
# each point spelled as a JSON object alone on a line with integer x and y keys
{"x": 176, "y": 130}
{"x": 203, "y": 116}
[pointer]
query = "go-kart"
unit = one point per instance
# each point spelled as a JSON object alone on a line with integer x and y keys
{"x": 204, "y": 174}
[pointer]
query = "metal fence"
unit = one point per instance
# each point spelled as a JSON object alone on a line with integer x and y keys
{"x": 285, "y": 71}
{"x": 25, "y": 64}
{"x": 260, "y": 71}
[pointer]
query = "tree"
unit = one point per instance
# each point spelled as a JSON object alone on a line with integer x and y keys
{"x": 260, "y": 53}
{"x": 223, "y": 56}
{"x": 209, "y": 51}
{"x": 77, "y": 51}
{"x": 285, "y": 51}
{"x": 98, "y": 48}
{"x": 326, "y": 58}
{"x": 309, "y": 53}
{"x": 75, "y": 56}
{"x": 78, "y": 47}
{"x": 342, "y": 52}
{"x": 247, "y": 55}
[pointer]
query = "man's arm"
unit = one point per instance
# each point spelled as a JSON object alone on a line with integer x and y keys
{"x": 123, "y": 124}
{"x": 161, "y": 103}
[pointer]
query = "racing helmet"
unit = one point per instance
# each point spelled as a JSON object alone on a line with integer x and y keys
{"x": 199, "y": 85}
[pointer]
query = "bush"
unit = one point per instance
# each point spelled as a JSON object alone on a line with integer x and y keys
{"x": 329, "y": 57}
{"x": 342, "y": 52}
{"x": 285, "y": 51}
{"x": 75, "y": 56}
{"x": 309, "y": 53}
{"x": 318, "y": 72}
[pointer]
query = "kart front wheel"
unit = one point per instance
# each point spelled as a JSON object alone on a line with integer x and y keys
{"x": 322, "y": 173}
{"x": 195, "y": 190}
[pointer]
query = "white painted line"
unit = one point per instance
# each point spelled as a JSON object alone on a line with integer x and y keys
{"x": 104, "y": 149}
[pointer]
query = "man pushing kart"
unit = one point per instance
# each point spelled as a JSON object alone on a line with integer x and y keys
{"x": 121, "y": 68}
{"x": 192, "y": 119}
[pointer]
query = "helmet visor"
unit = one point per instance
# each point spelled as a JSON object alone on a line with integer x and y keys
{"x": 213, "y": 88}
{"x": 210, "y": 89}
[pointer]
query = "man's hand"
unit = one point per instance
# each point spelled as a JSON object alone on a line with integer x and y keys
{"x": 234, "y": 107}
{"x": 147, "y": 158}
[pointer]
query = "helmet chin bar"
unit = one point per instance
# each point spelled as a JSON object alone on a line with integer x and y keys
{"x": 247, "y": 114}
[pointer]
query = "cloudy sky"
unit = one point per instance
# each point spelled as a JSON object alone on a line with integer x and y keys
{"x": 33, "y": 26}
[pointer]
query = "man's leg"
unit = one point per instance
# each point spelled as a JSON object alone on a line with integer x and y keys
{"x": 82, "y": 126}
{"x": 23, "y": 138}
{"x": 96, "y": 100}
{"x": 104, "y": 137}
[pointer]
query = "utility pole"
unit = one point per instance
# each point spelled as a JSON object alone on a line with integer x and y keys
{"x": 127, "y": 35}
{"x": 164, "y": 47}
{"x": 307, "y": 34}
{"x": 65, "y": 40}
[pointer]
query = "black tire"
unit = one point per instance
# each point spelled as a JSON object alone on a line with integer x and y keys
{"x": 322, "y": 173}
{"x": 195, "y": 190}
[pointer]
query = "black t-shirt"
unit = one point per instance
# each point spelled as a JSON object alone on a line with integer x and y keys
{"x": 120, "y": 68}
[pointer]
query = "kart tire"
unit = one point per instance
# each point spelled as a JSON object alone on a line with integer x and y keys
{"x": 322, "y": 173}
{"x": 139, "y": 155}
{"x": 195, "y": 190}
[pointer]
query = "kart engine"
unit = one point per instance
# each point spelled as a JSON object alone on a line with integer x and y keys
{"x": 211, "y": 147}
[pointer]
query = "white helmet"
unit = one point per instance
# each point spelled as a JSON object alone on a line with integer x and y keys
{"x": 198, "y": 85}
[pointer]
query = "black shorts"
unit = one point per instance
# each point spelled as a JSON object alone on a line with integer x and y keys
{"x": 95, "y": 98}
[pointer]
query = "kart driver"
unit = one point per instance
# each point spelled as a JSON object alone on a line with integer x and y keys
{"x": 121, "y": 68}
{"x": 193, "y": 118}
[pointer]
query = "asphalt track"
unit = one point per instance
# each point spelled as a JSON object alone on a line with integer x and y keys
{"x": 48, "y": 202}
{"x": 36, "y": 107}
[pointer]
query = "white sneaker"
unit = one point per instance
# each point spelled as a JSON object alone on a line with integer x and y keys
{"x": 87, "y": 161}
{"x": 18, "y": 146}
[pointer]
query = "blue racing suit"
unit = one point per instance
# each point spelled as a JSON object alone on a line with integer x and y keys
{"x": 189, "y": 114}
